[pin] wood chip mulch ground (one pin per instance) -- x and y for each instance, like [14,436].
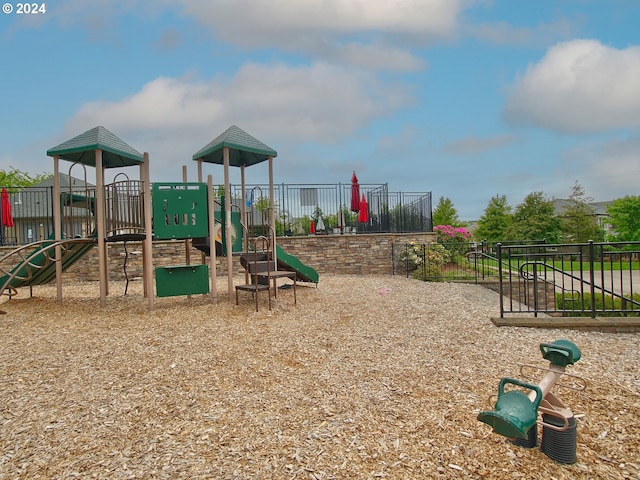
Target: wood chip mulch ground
[366,377]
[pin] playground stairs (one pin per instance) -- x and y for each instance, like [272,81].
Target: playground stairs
[258,268]
[261,275]
[257,263]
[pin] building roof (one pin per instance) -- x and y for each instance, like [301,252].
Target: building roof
[600,208]
[66,181]
[244,150]
[81,149]
[37,201]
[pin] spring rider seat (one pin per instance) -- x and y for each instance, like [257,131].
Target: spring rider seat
[515,414]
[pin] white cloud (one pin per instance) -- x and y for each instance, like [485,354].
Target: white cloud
[247,20]
[579,86]
[315,103]
[367,33]
[281,105]
[163,103]
[375,34]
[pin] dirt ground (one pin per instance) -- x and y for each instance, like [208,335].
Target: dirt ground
[366,377]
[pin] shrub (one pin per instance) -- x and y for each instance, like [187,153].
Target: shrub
[425,260]
[454,239]
[411,256]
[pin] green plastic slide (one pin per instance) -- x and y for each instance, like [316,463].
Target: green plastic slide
[305,273]
[38,268]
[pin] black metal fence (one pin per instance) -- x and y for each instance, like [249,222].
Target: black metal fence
[328,206]
[451,261]
[581,279]
[31,210]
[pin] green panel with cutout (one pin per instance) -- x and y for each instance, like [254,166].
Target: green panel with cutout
[179,210]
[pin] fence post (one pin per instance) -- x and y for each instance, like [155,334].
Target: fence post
[500,286]
[286,214]
[475,262]
[53,210]
[535,289]
[393,258]
[591,280]
[406,260]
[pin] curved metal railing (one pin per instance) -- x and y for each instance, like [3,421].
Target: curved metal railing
[26,261]
[534,276]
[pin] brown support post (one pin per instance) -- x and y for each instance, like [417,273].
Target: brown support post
[104,217]
[227,220]
[147,250]
[272,210]
[100,211]
[145,184]
[212,236]
[244,220]
[243,207]
[57,226]
[203,257]
[187,242]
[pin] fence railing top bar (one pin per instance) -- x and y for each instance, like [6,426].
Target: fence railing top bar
[539,245]
[564,245]
[413,193]
[307,185]
[546,254]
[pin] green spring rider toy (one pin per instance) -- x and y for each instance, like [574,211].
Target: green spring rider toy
[515,414]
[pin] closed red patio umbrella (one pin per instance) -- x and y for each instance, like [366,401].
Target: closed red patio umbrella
[7,219]
[355,193]
[363,215]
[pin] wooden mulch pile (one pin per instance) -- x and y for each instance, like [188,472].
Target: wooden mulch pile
[366,377]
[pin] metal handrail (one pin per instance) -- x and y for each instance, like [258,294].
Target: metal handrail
[531,277]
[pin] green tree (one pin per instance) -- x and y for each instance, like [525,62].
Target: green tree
[535,219]
[445,213]
[18,178]
[579,222]
[624,216]
[494,222]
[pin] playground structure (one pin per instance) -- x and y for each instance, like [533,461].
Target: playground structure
[137,210]
[515,414]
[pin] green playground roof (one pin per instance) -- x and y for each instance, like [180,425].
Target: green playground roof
[81,149]
[244,150]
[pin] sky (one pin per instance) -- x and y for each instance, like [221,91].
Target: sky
[467,99]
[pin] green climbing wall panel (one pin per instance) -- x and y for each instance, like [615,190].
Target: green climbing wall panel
[179,210]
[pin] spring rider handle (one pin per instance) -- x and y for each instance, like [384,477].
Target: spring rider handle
[561,352]
[515,413]
[514,381]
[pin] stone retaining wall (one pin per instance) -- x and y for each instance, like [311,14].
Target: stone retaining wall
[345,254]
